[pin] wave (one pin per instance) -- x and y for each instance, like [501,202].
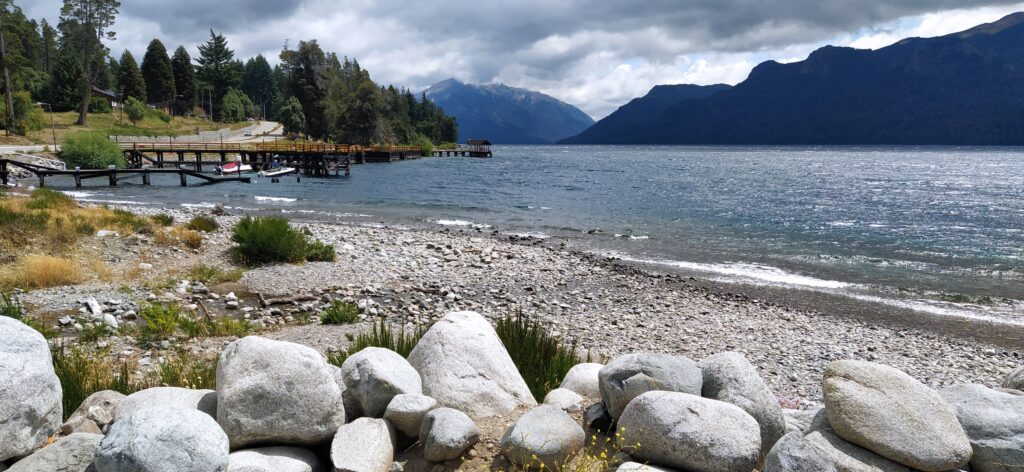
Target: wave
[746,272]
[460,223]
[199,205]
[530,234]
[261,198]
[633,237]
[114,202]
[78,194]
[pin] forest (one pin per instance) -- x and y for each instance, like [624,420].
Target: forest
[314,93]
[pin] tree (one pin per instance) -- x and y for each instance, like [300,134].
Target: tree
[62,89]
[291,117]
[235,107]
[135,110]
[157,73]
[86,23]
[184,81]
[49,37]
[258,81]
[217,68]
[309,77]
[130,79]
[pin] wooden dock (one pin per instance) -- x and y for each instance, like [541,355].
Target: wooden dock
[113,175]
[463,150]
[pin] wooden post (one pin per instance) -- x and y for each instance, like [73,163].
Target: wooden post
[112,175]
[42,180]
[78,177]
[145,176]
[181,173]
[3,171]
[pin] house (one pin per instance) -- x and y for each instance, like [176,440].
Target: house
[112,97]
[478,147]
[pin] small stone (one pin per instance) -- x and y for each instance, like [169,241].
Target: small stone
[447,433]
[145,266]
[406,412]
[565,399]
[273,459]
[364,445]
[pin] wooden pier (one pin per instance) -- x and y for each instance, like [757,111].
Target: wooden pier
[113,175]
[475,148]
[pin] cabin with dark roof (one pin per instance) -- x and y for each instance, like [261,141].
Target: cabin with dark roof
[108,95]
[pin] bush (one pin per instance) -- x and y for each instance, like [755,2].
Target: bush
[91,150]
[267,239]
[383,335]
[135,110]
[164,116]
[131,222]
[213,275]
[27,115]
[161,321]
[99,105]
[40,271]
[188,238]
[340,312]
[206,224]
[318,251]
[45,199]
[540,358]
[162,219]
[82,374]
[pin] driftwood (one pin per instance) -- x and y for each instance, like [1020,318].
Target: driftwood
[286,300]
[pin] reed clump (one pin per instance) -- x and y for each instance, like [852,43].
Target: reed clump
[541,359]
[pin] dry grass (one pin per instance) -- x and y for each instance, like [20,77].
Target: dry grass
[41,271]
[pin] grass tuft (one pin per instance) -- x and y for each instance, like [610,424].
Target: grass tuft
[383,335]
[40,271]
[269,239]
[213,275]
[206,224]
[162,219]
[542,360]
[340,312]
[46,199]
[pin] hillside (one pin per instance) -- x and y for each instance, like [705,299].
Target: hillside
[962,88]
[507,115]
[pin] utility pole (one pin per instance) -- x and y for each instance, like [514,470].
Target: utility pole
[7,77]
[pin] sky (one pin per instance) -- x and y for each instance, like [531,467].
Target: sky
[595,54]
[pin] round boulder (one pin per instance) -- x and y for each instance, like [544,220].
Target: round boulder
[565,399]
[465,366]
[177,397]
[583,379]
[544,435]
[160,439]
[276,392]
[364,445]
[994,423]
[1015,380]
[406,412]
[731,378]
[684,431]
[273,459]
[629,375]
[890,413]
[794,453]
[446,434]
[374,376]
[96,412]
[30,394]
[72,453]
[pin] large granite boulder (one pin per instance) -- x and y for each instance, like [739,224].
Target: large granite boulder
[546,436]
[794,453]
[373,376]
[406,412]
[1015,380]
[684,431]
[565,399]
[72,453]
[843,455]
[466,367]
[731,378]
[30,393]
[201,400]
[628,376]
[274,459]
[159,439]
[994,423]
[276,392]
[364,445]
[446,434]
[892,414]
[583,379]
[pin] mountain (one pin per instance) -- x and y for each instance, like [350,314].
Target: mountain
[507,115]
[640,114]
[959,89]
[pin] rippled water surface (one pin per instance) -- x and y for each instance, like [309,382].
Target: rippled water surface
[939,230]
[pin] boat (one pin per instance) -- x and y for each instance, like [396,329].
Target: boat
[277,170]
[233,168]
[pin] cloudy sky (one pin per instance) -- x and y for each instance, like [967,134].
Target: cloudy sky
[595,54]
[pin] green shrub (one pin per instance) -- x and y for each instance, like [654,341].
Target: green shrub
[93,332]
[340,312]
[164,116]
[82,374]
[161,321]
[162,219]
[27,115]
[206,224]
[132,222]
[213,275]
[135,110]
[318,251]
[382,335]
[267,239]
[90,150]
[540,358]
[99,105]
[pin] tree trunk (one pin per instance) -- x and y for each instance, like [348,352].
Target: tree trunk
[7,79]
[83,108]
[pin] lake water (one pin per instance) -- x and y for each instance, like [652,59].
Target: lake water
[936,230]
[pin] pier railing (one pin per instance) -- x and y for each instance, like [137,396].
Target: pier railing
[261,147]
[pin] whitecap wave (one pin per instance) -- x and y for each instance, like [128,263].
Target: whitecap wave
[199,205]
[747,272]
[461,223]
[78,194]
[531,234]
[261,198]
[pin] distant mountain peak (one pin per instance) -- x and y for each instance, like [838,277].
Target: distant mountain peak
[997,26]
[507,115]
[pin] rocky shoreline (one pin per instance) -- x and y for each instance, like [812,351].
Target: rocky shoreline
[605,307]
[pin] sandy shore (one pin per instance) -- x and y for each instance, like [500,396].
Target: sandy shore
[604,306]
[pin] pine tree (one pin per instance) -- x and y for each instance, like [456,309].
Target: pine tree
[62,89]
[258,81]
[85,24]
[157,73]
[130,79]
[49,37]
[184,81]
[217,68]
